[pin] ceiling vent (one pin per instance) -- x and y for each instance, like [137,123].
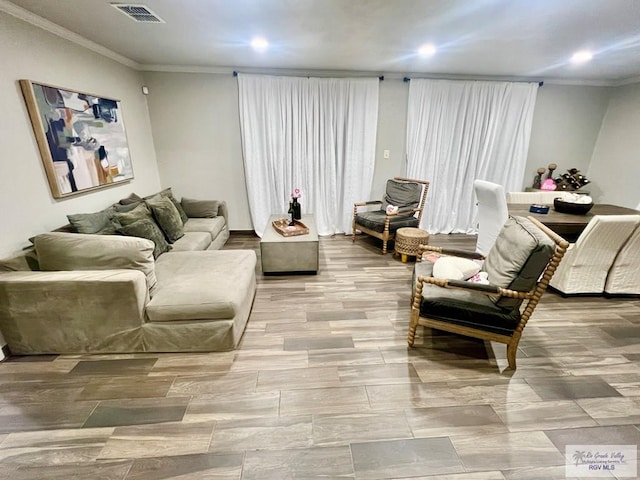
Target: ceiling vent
[138,13]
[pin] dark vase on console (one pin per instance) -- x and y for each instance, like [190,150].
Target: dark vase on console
[297,209]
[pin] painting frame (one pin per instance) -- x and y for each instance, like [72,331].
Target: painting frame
[81,137]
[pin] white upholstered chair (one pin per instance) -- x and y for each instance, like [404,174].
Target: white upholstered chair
[492,213]
[529,198]
[587,262]
[624,275]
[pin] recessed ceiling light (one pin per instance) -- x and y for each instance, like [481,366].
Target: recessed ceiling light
[581,56]
[259,44]
[427,49]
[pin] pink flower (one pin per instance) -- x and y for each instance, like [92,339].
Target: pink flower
[297,193]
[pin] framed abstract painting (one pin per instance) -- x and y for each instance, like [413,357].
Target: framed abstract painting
[81,138]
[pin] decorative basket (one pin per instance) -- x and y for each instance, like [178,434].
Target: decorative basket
[570,207]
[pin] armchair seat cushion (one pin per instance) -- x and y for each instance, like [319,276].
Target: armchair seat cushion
[375,221]
[467,309]
[463,308]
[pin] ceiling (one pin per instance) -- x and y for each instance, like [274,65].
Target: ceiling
[523,39]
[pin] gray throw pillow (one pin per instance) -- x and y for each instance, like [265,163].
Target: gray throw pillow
[91,222]
[140,212]
[124,208]
[200,208]
[131,199]
[146,228]
[167,217]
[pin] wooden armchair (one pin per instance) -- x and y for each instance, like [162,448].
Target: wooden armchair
[406,194]
[519,267]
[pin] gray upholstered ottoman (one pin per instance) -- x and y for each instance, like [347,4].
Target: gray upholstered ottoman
[297,254]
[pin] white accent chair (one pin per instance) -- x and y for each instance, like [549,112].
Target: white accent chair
[624,275]
[492,213]
[530,198]
[587,262]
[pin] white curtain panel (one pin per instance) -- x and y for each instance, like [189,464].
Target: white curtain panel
[316,134]
[460,131]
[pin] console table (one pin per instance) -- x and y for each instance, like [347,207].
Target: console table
[296,254]
[568,224]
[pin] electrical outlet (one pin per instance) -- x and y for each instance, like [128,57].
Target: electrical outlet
[386,154]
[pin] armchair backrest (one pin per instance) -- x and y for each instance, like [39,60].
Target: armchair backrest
[519,256]
[406,194]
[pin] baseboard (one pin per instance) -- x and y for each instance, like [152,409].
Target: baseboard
[5,352]
[244,232]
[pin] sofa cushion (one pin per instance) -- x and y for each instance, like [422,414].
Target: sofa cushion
[211,225]
[77,251]
[146,228]
[167,217]
[518,257]
[192,241]
[200,208]
[140,212]
[209,285]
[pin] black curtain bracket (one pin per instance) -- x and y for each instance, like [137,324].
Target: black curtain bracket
[235,74]
[406,79]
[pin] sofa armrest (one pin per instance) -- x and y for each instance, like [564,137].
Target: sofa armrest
[222,210]
[72,311]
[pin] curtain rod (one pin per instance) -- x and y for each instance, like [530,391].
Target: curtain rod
[380,77]
[408,79]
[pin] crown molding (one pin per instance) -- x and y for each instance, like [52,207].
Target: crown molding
[29,17]
[627,81]
[361,73]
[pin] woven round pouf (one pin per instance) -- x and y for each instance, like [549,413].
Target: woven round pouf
[408,239]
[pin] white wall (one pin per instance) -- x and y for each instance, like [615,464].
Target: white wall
[566,123]
[196,127]
[27,207]
[615,165]
[392,135]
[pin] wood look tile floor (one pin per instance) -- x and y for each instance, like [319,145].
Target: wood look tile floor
[324,386]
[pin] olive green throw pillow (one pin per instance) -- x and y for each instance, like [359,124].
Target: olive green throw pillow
[141,212]
[168,193]
[147,228]
[167,217]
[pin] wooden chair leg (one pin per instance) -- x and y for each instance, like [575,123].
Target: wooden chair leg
[384,247]
[512,349]
[413,325]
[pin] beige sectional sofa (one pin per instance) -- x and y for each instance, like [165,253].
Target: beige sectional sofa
[93,293]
